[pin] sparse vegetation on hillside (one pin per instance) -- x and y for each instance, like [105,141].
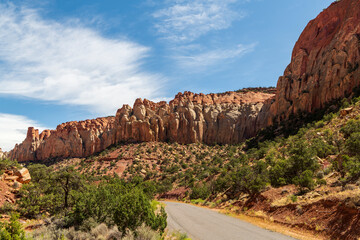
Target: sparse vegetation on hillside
[7,164]
[270,90]
[205,171]
[75,201]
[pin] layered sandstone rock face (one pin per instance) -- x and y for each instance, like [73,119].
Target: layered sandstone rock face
[71,139]
[215,118]
[325,62]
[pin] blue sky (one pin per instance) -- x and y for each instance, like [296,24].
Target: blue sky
[64,60]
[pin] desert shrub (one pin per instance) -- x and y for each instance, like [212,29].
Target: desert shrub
[352,126]
[7,208]
[351,166]
[321,148]
[353,143]
[146,233]
[172,169]
[319,124]
[305,180]
[249,179]
[328,117]
[7,164]
[222,183]
[293,198]
[321,182]
[217,160]
[51,191]
[277,173]
[164,186]
[116,203]
[113,202]
[302,158]
[133,209]
[200,191]
[12,230]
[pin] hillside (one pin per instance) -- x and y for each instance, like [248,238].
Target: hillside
[308,180]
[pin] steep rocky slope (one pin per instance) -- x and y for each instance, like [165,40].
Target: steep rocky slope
[324,64]
[222,118]
[324,67]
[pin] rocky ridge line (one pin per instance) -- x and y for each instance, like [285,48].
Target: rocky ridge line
[222,118]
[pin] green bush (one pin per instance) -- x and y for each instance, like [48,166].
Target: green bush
[277,173]
[321,148]
[200,191]
[305,180]
[293,198]
[351,166]
[50,191]
[116,202]
[12,230]
[301,161]
[250,180]
[7,164]
[353,143]
[351,126]
[133,209]
[321,182]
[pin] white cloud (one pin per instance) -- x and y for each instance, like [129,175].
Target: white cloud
[13,129]
[187,20]
[70,64]
[210,58]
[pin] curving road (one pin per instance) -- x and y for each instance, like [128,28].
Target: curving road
[204,224]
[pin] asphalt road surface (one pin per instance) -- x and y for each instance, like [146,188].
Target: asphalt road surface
[204,224]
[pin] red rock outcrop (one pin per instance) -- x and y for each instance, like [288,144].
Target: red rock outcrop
[11,182]
[325,62]
[71,139]
[222,118]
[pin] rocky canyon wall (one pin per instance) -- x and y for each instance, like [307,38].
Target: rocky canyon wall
[324,64]
[324,67]
[214,118]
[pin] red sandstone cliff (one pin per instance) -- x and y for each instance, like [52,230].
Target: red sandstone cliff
[223,118]
[324,66]
[325,62]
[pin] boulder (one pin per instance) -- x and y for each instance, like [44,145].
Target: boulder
[345,111]
[23,175]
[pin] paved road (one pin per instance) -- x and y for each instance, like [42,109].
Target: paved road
[204,224]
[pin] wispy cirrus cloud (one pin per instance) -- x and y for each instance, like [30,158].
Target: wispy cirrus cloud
[68,63]
[13,129]
[210,58]
[185,24]
[187,20]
